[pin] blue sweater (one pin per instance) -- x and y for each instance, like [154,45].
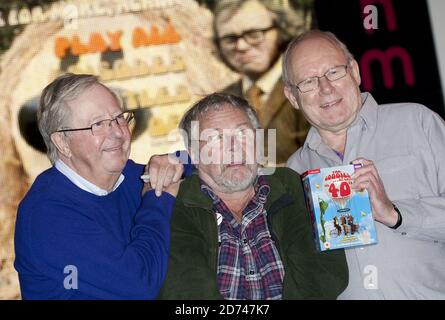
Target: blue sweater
[110,247]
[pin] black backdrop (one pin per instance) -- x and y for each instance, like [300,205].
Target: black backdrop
[403,41]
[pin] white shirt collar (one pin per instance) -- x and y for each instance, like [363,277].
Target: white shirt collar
[83,183]
[267,81]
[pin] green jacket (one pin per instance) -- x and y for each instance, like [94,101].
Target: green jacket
[192,269]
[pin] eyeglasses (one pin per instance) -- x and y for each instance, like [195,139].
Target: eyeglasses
[104,126]
[252,37]
[313,83]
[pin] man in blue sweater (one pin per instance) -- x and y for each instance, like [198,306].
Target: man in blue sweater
[87,229]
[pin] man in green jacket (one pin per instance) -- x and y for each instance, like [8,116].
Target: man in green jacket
[237,233]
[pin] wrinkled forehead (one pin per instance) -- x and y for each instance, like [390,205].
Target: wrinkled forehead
[319,40]
[224,117]
[93,103]
[314,53]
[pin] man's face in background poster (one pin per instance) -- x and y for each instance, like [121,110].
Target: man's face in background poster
[248,39]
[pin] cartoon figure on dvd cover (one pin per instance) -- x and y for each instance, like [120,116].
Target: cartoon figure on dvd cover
[341,217]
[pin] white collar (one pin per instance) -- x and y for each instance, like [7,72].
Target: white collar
[83,183]
[267,81]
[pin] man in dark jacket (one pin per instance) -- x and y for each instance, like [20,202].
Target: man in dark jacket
[237,233]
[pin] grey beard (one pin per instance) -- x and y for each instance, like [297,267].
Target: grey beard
[235,186]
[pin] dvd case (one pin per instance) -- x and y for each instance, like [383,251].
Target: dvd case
[340,217]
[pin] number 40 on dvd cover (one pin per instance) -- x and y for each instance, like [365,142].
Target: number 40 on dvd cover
[341,217]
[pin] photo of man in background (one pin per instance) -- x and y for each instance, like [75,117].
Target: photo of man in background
[250,36]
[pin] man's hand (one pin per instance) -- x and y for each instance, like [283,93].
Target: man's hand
[165,171]
[173,188]
[146,188]
[367,177]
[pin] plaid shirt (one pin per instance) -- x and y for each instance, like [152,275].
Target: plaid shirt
[249,265]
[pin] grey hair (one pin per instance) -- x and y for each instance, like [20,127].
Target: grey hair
[311,34]
[215,102]
[53,113]
[290,20]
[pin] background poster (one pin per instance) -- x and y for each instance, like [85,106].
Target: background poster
[160,55]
